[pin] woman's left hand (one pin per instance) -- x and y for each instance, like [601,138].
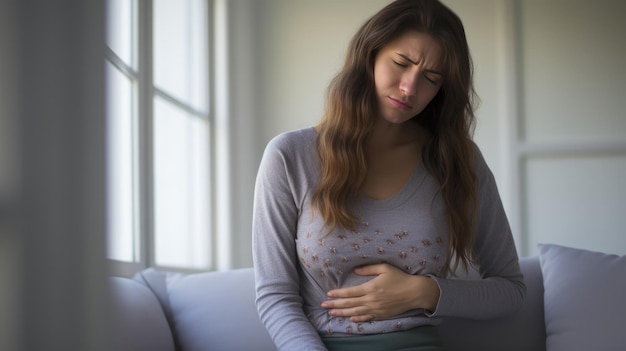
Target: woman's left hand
[390,293]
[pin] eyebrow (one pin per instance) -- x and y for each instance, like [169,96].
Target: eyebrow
[417,62]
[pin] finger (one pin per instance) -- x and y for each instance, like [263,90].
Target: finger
[362,319]
[355,314]
[373,269]
[359,312]
[342,303]
[353,291]
[343,312]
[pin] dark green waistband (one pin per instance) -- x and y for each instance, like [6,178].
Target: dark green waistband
[424,338]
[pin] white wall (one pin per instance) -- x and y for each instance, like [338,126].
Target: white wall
[572,127]
[551,120]
[303,46]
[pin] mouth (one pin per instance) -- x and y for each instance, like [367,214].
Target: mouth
[400,104]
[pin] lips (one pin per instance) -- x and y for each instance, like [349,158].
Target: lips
[400,104]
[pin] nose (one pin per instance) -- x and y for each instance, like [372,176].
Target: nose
[408,84]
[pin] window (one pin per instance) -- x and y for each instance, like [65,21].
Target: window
[157,69]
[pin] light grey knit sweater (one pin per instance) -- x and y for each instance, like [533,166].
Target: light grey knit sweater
[297,261]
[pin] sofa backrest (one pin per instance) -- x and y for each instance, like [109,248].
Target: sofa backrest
[216,311]
[212,310]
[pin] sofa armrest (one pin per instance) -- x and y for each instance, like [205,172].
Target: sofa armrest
[138,322]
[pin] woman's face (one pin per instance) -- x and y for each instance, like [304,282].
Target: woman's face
[407,75]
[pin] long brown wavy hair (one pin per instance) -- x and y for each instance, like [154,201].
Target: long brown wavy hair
[352,107]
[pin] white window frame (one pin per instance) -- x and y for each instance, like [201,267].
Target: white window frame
[143,150]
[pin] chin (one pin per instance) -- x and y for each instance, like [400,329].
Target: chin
[399,119]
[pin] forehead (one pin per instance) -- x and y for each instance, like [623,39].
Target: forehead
[418,46]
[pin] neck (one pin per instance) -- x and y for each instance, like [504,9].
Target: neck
[389,135]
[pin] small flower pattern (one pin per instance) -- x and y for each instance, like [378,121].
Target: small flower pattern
[332,259]
[401,249]
[407,231]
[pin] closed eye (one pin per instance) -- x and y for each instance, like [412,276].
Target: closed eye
[431,80]
[433,76]
[403,65]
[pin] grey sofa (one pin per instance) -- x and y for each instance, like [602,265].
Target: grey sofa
[164,311]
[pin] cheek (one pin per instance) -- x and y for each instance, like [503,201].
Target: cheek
[430,92]
[382,78]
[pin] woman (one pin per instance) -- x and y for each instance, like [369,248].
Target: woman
[361,222]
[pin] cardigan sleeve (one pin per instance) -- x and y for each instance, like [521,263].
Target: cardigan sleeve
[275,215]
[500,289]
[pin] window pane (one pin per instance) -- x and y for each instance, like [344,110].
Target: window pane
[119,165]
[180,50]
[120,29]
[181,188]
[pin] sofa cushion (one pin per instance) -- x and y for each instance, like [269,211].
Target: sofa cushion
[138,323]
[584,299]
[521,331]
[212,310]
